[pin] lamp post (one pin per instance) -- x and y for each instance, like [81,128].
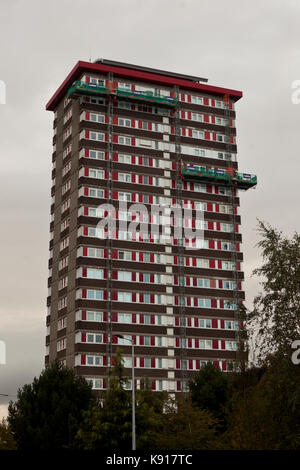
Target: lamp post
[133,392]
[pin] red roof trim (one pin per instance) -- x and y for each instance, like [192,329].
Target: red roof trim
[81,67]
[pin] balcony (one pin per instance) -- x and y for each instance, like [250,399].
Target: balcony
[91,89]
[147,96]
[228,177]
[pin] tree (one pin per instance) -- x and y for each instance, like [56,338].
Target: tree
[107,425]
[185,427]
[7,441]
[276,310]
[47,412]
[209,390]
[110,426]
[265,412]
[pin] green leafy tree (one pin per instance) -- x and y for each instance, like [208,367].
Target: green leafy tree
[109,425]
[209,390]
[185,427]
[276,312]
[47,412]
[265,413]
[7,441]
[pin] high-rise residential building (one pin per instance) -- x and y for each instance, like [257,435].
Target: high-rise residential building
[159,149]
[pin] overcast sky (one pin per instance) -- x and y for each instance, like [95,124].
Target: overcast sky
[249,46]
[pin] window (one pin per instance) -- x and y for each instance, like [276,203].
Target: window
[97,155]
[205,344]
[197,134]
[124,296]
[94,360]
[97,384]
[98,193]
[66,187]
[196,100]
[204,303]
[159,385]
[124,196]
[97,81]
[201,188]
[94,316]
[226,227]
[99,136]
[64,243]
[63,283]
[127,362]
[124,86]
[224,191]
[65,224]
[199,152]
[124,318]
[124,122]
[61,344]
[67,133]
[125,341]
[203,282]
[147,362]
[224,209]
[227,246]
[94,294]
[63,262]
[95,252]
[97,100]
[124,105]
[93,273]
[124,177]
[99,174]
[97,117]
[227,304]
[122,158]
[197,117]
[202,323]
[94,338]
[67,151]
[124,275]
[62,323]
[66,168]
[92,211]
[124,140]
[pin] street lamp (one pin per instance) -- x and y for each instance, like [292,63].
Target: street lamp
[133,392]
